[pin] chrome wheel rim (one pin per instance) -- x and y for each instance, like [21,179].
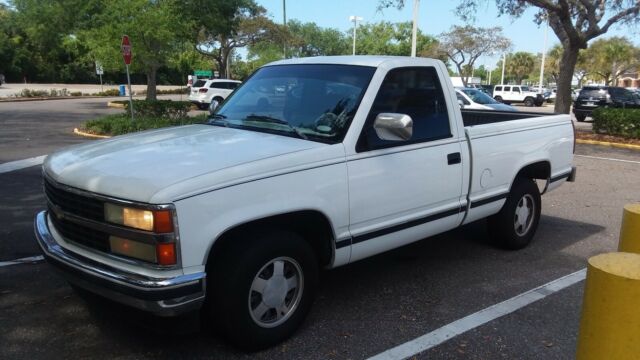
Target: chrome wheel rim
[523,218]
[275,292]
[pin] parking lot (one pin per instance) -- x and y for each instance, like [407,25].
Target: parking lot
[362,309]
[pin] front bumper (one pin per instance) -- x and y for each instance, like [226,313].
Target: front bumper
[162,296]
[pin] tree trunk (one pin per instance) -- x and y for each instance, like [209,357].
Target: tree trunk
[567,67]
[151,84]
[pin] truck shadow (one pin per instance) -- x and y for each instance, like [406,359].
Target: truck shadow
[412,289]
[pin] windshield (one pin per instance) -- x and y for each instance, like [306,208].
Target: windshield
[479,97]
[311,101]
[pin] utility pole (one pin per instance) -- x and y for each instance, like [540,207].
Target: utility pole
[489,80]
[414,31]
[284,21]
[544,54]
[504,61]
[355,20]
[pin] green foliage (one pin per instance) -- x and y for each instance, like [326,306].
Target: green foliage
[309,39]
[122,124]
[622,122]
[156,30]
[386,38]
[162,109]
[108,92]
[520,65]
[609,58]
[28,93]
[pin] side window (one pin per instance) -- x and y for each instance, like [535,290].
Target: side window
[498,88]
[516,89]
[507,88]
[218,85]
[462,98]
[414,91]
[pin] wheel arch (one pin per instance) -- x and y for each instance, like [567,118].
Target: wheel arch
[313,225]
[535,170]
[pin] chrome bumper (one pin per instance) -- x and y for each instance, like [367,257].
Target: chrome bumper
[162,296]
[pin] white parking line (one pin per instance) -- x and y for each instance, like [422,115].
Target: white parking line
[479,318]
[21,164]
[27,260]
[610,159]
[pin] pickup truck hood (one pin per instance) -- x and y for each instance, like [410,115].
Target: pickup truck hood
[136,166]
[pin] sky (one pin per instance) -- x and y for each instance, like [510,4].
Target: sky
[435,17]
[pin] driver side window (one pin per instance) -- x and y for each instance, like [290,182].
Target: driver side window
[414,91]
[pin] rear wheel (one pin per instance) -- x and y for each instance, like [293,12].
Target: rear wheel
[515,225]
[498,98]
[262,288]
[529,102]
[581,117]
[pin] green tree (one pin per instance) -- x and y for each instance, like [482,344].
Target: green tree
[386,38]
[520,65]
[221,26]
[575,22]
[309,39]
[463,45]
[156,30]
[612,57]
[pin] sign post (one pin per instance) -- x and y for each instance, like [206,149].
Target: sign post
[126,55]
[99,71]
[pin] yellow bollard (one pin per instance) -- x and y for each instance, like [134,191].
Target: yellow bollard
[610,323]
[630,229]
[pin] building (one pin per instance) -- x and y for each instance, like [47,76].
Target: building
[630,80]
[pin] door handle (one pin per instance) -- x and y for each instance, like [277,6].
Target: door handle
[454,158]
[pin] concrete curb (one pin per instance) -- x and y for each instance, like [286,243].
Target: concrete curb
[114,104]
[88,135]
[610,144]
[52,98]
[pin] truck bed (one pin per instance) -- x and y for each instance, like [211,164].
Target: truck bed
[482,117]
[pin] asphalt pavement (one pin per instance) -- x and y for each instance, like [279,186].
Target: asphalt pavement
[362,309]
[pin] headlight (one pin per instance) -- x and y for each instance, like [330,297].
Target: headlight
[158,221]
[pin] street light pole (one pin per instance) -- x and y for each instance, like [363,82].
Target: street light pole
[544,54]
[284,21]
[355,20]
[504,61]
[414,31]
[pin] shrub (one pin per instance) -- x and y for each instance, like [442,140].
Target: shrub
[121,124]
[75,93]
[622,122]
[109,92]
[166,109]
[177,91]
[33,93]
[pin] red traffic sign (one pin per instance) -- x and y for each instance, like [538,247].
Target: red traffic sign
[126,49]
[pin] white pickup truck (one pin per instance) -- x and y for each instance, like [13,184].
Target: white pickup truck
[312,163]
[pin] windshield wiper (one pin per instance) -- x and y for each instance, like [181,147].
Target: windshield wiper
[273,120]
[221,118]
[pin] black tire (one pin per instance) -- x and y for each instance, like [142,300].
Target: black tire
[218,99]
[581,117]
[230,295]
[503,226]
[529,102]
[203,106]
[498,98]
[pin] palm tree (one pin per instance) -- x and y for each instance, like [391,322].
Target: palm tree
[520,65]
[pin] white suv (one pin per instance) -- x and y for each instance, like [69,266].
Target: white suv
[204,91]
[517,94]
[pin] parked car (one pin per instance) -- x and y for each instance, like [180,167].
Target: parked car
[509,94]
[476,99]
[192,79]
[205,91]
[359,155]
[575,93]
[593,97]
[488,89]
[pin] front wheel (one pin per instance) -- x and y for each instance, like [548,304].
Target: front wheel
[528,102]
[581,117]
[498,98]
[260,291]
[515,225]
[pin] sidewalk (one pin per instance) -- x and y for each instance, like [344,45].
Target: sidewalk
[7,90]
